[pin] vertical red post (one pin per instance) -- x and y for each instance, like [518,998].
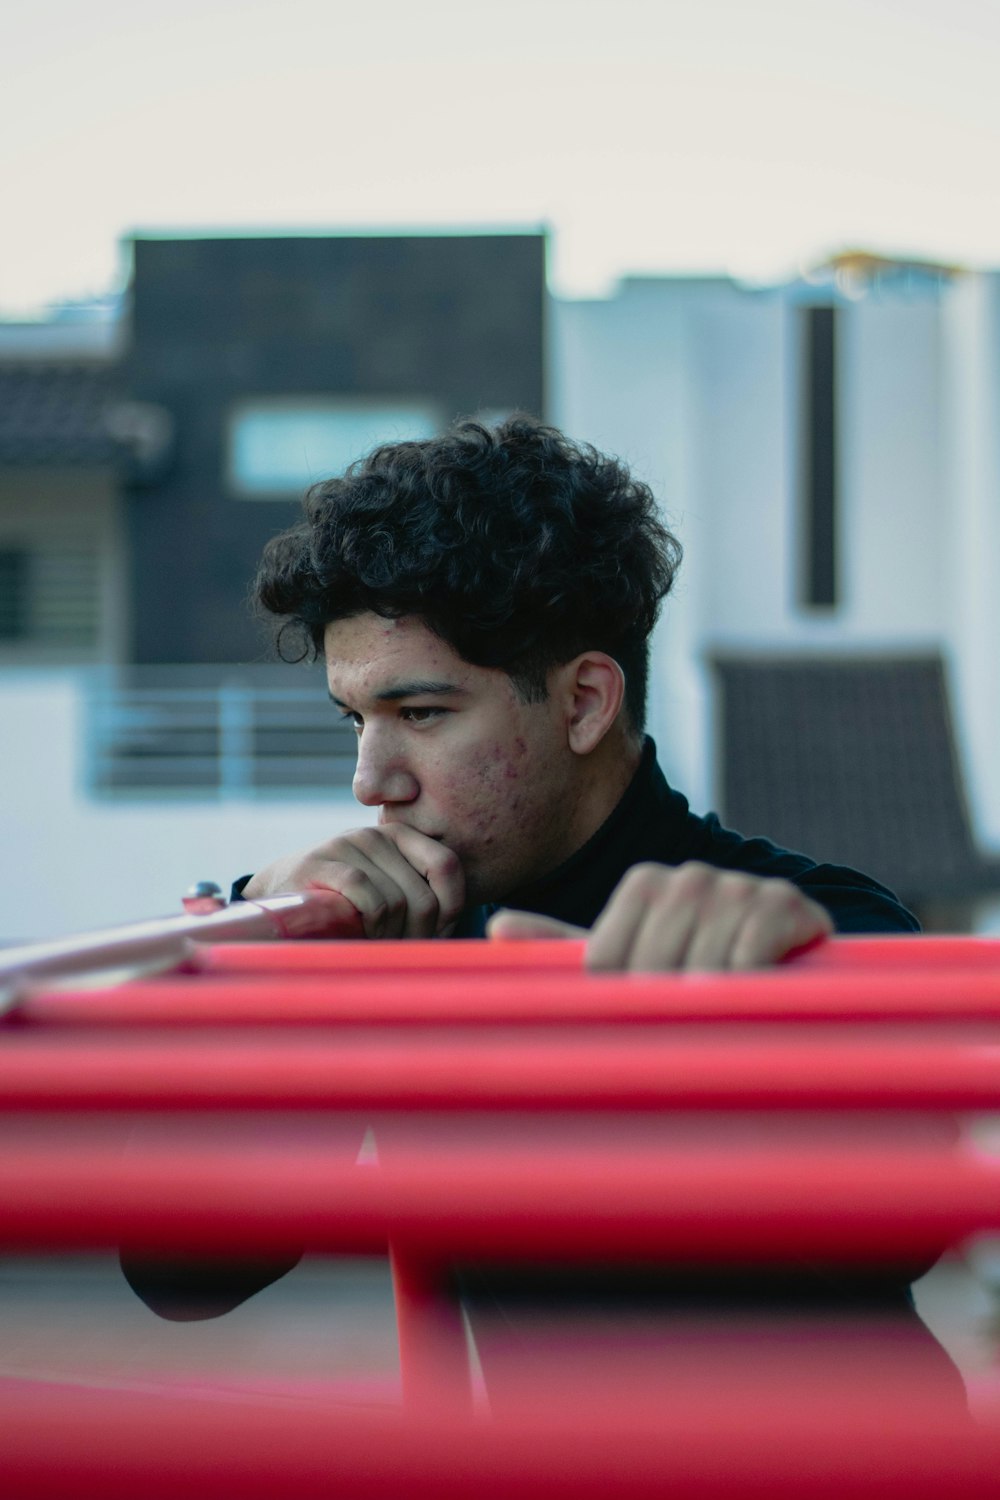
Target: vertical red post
[433,1349]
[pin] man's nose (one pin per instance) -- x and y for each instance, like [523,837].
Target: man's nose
[381,775]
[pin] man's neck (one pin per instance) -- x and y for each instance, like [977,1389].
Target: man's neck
[607,772]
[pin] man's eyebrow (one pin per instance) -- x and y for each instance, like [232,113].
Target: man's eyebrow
[420,687]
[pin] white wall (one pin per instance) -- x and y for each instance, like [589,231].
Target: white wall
[621,378]
[972,484]
[897,509]
[697,384]
[67,863]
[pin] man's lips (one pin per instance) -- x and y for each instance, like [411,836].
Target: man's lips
[438,838]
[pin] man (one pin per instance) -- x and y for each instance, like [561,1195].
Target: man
[484,602]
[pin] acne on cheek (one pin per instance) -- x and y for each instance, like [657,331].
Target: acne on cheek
[493,802]
[503,761]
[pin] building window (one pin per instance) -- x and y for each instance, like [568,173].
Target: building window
[819,517]
[280,446]
[50,596]
[13,593]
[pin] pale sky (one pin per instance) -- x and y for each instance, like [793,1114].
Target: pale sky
[746,136]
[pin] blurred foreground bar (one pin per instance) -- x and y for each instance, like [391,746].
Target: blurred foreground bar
[449,1193]
[116,1445]
[519,1112]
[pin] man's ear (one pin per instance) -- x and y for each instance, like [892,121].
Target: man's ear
[595,691]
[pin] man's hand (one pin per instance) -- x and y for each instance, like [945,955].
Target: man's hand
[691,916]
[402,883]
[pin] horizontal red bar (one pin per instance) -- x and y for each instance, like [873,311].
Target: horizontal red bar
[784,994]
[625,1196]
[905,951]
[118,1444]
[470,955]
[922,951]
[579,1068]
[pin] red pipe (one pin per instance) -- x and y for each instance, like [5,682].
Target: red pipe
[785,994]
[617,1197]
[468,955]
[471,955]
[582,1068]
[433,1351]
[116,1445]
[925,951]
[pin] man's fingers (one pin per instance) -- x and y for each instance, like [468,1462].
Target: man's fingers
[695,917]
[723,918]
[438,866]
[781,920]
[650,920]
[402,883]
[524,925]
[412,906]
[379,900]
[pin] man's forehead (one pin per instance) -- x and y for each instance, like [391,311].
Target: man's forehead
[367,635]
[386,657]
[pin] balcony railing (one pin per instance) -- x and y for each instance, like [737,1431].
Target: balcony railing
[214,732]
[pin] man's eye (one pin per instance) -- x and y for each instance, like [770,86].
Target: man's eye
[421,715]
[350,717]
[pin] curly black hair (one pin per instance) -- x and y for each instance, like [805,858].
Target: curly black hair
[517,546]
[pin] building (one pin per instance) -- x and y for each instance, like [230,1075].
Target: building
[144,462]
[824,449]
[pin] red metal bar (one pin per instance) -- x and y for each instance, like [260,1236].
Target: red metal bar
[904,951]
[786,994]
[735,1445]
[586,1068]
[624,1196]
[469,955]
[923,951]
[433,1349]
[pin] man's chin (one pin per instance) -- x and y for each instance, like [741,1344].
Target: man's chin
[478,890]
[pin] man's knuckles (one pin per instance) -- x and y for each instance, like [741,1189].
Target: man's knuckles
[434,859]
[423,908]
[368,841]
[695,915]
[690,885]
[374,900]
[652,885]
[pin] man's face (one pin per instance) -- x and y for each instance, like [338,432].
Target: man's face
[449,749]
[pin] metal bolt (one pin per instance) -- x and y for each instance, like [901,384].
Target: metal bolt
[203,898]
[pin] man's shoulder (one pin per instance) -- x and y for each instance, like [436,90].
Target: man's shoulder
[855,901]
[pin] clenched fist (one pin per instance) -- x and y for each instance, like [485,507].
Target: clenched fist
[402,883]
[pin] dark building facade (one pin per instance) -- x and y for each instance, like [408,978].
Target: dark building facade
[142,470]
[269,363]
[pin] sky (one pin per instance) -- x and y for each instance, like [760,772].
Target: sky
[673,136]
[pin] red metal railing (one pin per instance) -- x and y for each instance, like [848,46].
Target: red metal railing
[782,1442]
[393,998]
[524,1111]
[585,1068]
